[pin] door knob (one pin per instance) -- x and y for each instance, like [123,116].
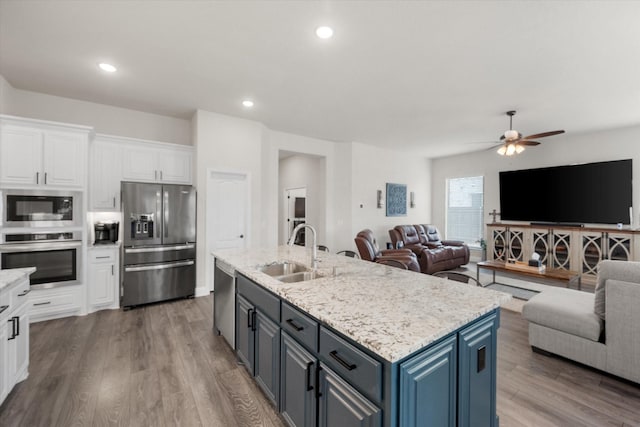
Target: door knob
[242,236]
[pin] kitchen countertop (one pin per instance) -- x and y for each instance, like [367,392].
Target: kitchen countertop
[13,275]
[390,311]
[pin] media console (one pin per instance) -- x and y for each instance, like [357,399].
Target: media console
[565,247]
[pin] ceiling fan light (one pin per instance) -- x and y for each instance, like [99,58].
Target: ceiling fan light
[519,148]
[502,150]
[511,149]
[511,135]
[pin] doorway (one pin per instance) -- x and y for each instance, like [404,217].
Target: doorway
[227,212]
[295,207]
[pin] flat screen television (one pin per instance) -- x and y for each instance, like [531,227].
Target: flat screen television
[591,193]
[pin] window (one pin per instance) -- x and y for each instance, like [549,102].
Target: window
[465,202]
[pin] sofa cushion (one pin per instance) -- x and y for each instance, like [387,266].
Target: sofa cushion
[608,269]
[565,310]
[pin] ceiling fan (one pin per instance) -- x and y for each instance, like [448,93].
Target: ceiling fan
[514,142]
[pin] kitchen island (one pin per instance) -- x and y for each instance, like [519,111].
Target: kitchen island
[364,343]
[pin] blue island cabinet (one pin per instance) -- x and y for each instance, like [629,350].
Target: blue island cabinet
[452,383]
[318,377]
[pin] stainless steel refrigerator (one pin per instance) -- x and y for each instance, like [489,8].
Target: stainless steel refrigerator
[159,251]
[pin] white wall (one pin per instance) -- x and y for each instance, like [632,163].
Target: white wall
[225,143]
[565,149]
[304,171]
[371,169]
[103,118]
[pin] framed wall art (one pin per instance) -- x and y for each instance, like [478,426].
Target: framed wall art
[396,199]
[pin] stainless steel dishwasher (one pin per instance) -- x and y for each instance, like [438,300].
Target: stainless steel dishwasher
[224,301]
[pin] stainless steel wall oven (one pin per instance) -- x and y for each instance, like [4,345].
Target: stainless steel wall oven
[56,256]
[41,208]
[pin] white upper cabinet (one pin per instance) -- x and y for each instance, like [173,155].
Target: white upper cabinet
[165,163]
[115,159]
[105,174]
[35,153]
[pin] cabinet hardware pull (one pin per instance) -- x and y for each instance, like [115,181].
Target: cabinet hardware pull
[348,366]
[298,328]
[18,322]
[37,177]
[253,320]
[103,257]
[42,303]
[318,393]
[3,308]
[13,329]
[112,273]
[26,291]
[249,317]
[114,201]
[45,178]
[160,175]
[309,366]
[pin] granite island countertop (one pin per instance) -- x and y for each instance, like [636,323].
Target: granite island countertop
[13,275]
[390,311]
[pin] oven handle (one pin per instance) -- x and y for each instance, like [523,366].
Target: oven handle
[49,246]
[159,249]
[158,266]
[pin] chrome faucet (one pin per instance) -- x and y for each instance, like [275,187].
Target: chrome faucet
[314,249]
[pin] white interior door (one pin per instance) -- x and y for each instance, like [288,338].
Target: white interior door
[227,213]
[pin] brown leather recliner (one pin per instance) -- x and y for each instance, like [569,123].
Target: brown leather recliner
[369,251]
[434,254]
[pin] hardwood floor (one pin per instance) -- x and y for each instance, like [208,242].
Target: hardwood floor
[161,365]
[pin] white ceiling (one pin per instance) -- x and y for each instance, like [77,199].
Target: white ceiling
[433,77]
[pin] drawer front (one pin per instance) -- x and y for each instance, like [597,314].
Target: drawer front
[267,303]
[54,301]
[19,295]
[300,326]
[102,255]
[362,371]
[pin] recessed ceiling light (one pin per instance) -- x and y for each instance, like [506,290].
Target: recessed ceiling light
[324,32]
[107,67]
[247,103]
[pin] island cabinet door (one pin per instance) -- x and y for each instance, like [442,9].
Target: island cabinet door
[339,404]
[477,373]
[267,356]
[245,319]
[297,377]
[428,387]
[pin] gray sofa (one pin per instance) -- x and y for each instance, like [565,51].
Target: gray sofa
[601,330]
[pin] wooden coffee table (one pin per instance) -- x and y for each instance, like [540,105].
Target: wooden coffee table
[565,276]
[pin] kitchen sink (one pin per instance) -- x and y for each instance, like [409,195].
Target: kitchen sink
[283,268]
[298,277]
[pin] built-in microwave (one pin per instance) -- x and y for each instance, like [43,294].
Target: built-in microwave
[41,208]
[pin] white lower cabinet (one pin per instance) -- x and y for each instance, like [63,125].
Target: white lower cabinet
[14,336]
[103,278]
[47,304]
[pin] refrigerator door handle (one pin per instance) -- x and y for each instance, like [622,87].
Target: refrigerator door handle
[159,266]
[166,213]
[159,249]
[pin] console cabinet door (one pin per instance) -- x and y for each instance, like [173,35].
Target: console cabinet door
[267,356]
[175,166]
[244,332]
[477,374]
[297,376]
[341,405]
[428,386]
[22,346]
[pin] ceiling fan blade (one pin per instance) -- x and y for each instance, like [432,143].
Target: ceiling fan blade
[543,134]
[494,147]
[528,142]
